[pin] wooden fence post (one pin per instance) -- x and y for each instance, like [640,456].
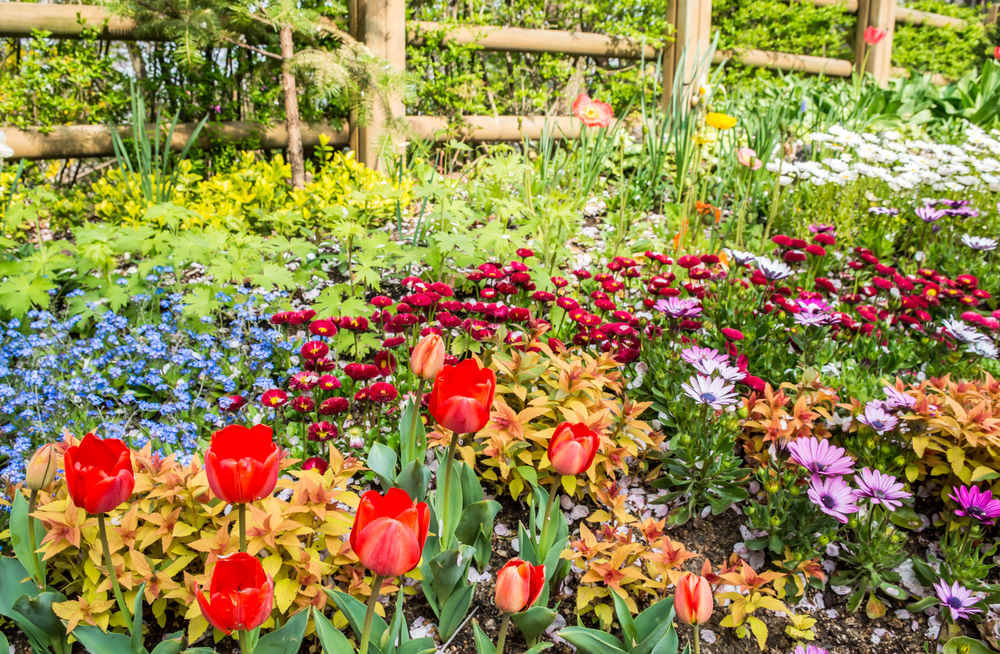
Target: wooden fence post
[380,25]
[880,14]
[692,21]
[991,16]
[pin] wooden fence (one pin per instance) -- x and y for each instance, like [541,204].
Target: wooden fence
[382,26]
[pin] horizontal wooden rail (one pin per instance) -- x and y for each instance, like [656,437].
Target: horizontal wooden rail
[515,39]
[18,19]
[87,141]
[789,62]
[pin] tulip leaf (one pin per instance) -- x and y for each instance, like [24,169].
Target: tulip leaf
[533,622]
[414,479]
[287,639]
[97,641]
[417,646]
[540,647]
[529,550]
[449,571]
[4,645]
[331,638]
[659,613]
[625,620]
[136,628]
[382,461]
[591,641]
[199,650]
[19,525]
[413,447]
[472,490]
[38,611]
[13,585]
[454,610]
[355,611]
[483,643]
[477,519]
[172,644]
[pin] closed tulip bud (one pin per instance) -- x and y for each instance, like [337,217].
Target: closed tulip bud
[572,448]
[242,463]
[42,468]
[427,357]
[389,532]
[462,397]
[519,584]
[693,600]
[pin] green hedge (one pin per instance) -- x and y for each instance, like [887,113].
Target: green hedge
[944,50]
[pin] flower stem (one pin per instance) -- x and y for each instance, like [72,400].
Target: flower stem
[411,446]
[504,624]
[367,630]
[448,465]
[112,574]
[39,575]
[243,526]
[546,520]
[244,646]
[697,640]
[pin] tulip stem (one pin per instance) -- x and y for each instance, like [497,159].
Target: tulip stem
[112,573]
[411,445]
[504,624]
[243,639]
[367,630]
[546,521]
[448,465]
[243,526]
[39,575]
[697,640]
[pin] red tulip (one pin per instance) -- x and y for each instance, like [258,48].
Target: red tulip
[462,397]
[242,464]
[427,357]
[241,594]
[389,532]
[572,448]
[518,585]
[996,52]
[693,600]
[873,35]
[99,473]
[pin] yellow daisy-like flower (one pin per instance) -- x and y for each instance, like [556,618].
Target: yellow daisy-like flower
[720,121]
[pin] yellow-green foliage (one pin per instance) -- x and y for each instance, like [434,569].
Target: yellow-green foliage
[256,194]
[173,529]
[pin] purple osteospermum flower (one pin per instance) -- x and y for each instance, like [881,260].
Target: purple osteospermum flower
[820,457]
[881,488]
[896,399]
[884,211]
[814,312]
[833,497]
[875,416]
[959,600]
[696,354]
[773,270]
[722,368]
[713,391]
[821,228]
[979,242]
[678,308]
[810,649]
[929,215]
[976,503]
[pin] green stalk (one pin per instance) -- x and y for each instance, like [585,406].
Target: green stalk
[111,572]
[243,526]
[39,575]
[448,465]
[542,550]
[244,646]
[697,641]
[504,625]
[367,630]
[411,446]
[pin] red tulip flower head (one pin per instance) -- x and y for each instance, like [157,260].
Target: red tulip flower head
[462,397]
[389,532]
[242,463]
[518,585]
[593,113]
[873,35]
[693,601]
[572,448]
[427,357]
[996,53]
[99,473]
[240,596]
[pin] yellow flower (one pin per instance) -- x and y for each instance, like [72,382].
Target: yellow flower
[701,140]
[720,121]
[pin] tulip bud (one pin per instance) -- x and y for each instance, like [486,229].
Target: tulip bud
[519,585]
[693,600]
[572,448]
[42,468]
[427,357]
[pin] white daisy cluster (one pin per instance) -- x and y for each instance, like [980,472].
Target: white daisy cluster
[903,164]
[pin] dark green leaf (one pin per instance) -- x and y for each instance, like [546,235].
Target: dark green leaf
[331,638]
[454,610]
[591,641]
[288,638]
